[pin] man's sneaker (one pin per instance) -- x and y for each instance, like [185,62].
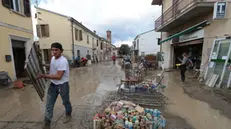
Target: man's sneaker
[47,125]
[67,118]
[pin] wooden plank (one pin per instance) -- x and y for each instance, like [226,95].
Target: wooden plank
[212,80]
[208,80]
[215,80]
[33,67]
[229,82]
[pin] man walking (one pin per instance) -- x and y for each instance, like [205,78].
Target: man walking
[184,62]
[114,58]
[59,75]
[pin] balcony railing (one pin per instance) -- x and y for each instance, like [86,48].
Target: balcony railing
[176,9]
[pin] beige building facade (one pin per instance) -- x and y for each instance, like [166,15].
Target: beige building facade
[192,26]
[16,34]
[77,40]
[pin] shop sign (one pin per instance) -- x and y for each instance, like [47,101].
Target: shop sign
[219,10]
[192,36]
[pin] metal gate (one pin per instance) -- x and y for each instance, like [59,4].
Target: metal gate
[220,62]
[33,66]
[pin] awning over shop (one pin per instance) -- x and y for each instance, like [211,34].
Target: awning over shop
[193,28]
[198,41]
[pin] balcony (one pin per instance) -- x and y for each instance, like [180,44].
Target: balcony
[182,11]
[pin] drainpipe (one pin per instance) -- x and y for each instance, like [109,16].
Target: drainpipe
[73,53]
[161,23]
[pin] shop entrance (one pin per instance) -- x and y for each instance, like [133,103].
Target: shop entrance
[194,51]
[19,55]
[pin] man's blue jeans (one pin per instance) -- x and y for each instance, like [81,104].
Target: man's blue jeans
[53,92]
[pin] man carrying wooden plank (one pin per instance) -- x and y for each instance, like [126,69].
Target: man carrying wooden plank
[59,75]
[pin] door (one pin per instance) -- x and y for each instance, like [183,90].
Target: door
[220,62]
[19,55]
[78,53]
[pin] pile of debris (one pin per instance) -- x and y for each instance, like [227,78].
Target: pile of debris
[146,86]
[125,114]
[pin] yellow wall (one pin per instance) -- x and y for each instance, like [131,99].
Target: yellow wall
[6,49]
[84,41]
[10,17]
[59,30]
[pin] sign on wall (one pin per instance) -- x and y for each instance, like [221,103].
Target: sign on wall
[192,36]
[219,11]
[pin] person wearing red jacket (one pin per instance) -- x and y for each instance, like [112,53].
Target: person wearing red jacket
[114,58]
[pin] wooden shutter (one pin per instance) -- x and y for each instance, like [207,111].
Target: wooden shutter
[80,35]
[87,38]
[47,31]
[38,28]
[76,34]
[7,3]
[27,11]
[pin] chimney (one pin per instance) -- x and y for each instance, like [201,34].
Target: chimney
[109,36]
[94,31]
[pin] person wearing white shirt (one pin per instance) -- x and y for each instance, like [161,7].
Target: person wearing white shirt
[59,75]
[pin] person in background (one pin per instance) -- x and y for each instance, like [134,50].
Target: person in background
[59,75]
[114,58]
[183,67]
[127,62]
[77,61]
[84,61]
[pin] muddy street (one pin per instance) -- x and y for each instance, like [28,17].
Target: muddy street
[22,108]
[197,113]
[91,88]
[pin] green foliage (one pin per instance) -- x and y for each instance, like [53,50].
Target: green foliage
[124,49]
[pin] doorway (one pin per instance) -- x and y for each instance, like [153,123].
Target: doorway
[194,52]
[19,54]
[78,53]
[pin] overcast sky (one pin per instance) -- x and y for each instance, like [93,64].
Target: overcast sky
[125,18]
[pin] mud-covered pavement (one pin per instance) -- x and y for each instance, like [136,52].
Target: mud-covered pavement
[22,108]
[92,88]
[197,106]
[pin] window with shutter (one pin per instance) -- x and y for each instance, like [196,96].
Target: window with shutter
[44,29]
[76,34]
[7,4]
[47,31]
[27,10]
[80,35]
[88,39]
[38,30]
